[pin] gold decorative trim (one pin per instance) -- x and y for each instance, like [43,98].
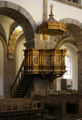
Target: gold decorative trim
[48,61]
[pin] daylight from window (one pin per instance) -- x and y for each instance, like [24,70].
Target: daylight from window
[68,74]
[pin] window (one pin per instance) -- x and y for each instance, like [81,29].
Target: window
[75,1]
[68,74]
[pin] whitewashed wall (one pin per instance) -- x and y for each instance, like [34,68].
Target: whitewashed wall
[34,7]
[1,69]
[61,11]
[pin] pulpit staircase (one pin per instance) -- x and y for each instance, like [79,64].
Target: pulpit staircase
[21,84]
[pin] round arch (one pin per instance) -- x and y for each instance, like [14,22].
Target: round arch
[72,21]
[72,49]
[16,12]
[70,42]
[74,27]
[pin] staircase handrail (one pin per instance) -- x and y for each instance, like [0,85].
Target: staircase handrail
[15,81]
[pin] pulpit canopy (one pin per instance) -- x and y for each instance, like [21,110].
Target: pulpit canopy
[51,26]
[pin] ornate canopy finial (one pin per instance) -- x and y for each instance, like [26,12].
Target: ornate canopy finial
[51,9]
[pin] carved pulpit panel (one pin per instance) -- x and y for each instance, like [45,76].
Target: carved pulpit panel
[58,60]
[45,61]
[48,60]
[35,57]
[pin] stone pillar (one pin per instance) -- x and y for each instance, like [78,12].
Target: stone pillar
[80,66]
[45,12]
[80,71]
[41,85]
[6,75]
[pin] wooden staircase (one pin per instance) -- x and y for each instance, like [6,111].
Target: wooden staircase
[21,84]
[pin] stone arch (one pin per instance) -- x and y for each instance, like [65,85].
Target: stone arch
[68,41]
[71,21]
[74,27]
[16,12]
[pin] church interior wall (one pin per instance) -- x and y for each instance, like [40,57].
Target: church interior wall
[37,15]
[10,61]
[34,7]
[66,12]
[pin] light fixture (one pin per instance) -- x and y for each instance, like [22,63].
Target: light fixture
[19,28]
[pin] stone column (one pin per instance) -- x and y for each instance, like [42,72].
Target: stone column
[6,75]
[45,12]
[80,71]
[80,67]
[9,71]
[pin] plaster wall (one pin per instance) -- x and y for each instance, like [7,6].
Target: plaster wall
[60,10]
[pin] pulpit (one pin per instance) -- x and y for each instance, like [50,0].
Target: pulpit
[45,62]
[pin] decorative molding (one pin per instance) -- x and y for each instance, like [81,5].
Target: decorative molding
[70,3]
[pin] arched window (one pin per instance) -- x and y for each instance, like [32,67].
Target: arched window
[71,63]
[68,64]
